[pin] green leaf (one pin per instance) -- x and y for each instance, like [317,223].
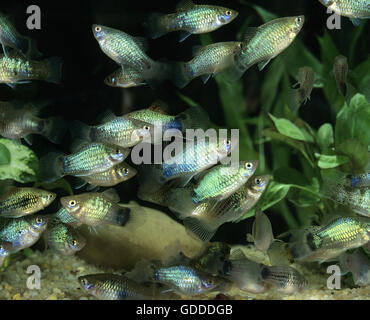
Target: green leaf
[361,78]
[28,252]
[289,129]
[286,175]
[190,102]
[264,14]
[23,165]
[59,184]
[4,155]
[353,122]
[330,161]
[325,136]
[356,152]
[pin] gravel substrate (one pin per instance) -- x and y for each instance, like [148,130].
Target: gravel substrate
[59,281]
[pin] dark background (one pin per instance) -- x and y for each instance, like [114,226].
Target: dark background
[66,32]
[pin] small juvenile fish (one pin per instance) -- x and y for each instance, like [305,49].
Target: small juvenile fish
[107,286]
[63,216]
[5,249]
[64,239]
[113,176]
[222,181]
[284,278]
[119,131]
[95,209]
[23,232]
[21,201]
[358,199]
[245,273]
[18,120]
[129,51]
[16,69]
[306,78]
[190,19]
[209,60]
[353,9]
[267,41]
[340,70]
[262,231]
[128,79]
[91,158]
[186,280]
[205,218]
[359,265]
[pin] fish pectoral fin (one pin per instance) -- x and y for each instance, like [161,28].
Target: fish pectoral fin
[28,139]
[205,78]
[263,64]
[184,5]
[184,35]
[232,73]
[356,22]
[11,85]
[112,195]
[123,68]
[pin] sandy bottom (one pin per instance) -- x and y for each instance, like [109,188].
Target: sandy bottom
[59,282]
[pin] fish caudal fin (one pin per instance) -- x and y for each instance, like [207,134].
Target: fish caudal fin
[203,231]
[150,178]
[54,129]
[51,166]
[80,130]
[55,68]
[158,72]
[193,118]
[179,202]
[119,216]
[154,26]
[181,74]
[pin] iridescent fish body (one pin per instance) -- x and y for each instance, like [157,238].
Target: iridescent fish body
[353,9]
[63,216]
[22,201]
[23,232]
[114,287]
[191,19]
[127,79]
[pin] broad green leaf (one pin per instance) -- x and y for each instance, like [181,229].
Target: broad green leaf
[325,136]
[356,152]
[23,165]
[330,161]
[353,121]
[4,155]
[59,184]
[361,78]
[289,129]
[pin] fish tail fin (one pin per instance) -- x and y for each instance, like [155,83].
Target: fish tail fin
[200,228]
[181,74]
[55,69]
[293,100]
[80,130]
[154,25]
[150,178]
[51,166]
[54,129]
[119,216]
[193,118]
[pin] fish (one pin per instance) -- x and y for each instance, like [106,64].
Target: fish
[222,181]
[204,219]
[280,253]
[245,274]
[194,158]
[17,69]
[5,248]
[63,216]
[212,260]
[64,239]
[128,79]
[189,19]
[265,42]
[105,286]
[19,120]
[359,265]
[358,199]
[321,243]
[113,176]
[306,79]
[284,278]
[95,209]
[21,201]
[23,232]
[353,9]
[207,62]
[127,50]
[340,71]
[119,131]
[360,180]
[91,158]
[185,280]
[262,234]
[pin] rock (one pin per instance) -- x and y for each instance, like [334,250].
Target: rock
[148,235]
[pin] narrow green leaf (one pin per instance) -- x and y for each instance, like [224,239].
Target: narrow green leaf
[325,136]
[4,155]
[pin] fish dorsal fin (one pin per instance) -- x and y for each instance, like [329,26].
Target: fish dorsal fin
[184,5]
[112,195]
[106,116]
[142,43]
[196,50]
[249,34]
[263,64]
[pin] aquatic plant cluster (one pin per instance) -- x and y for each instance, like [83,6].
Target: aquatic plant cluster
[196,184]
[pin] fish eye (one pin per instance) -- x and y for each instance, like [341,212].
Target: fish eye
[228,13]
[228,142]
[39,220]
[97,29]
[125,172]
[74,242]
[298,20]
[72,203]
[84,282]
[249,165]
[117,151]
[257,181]
[146,128]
